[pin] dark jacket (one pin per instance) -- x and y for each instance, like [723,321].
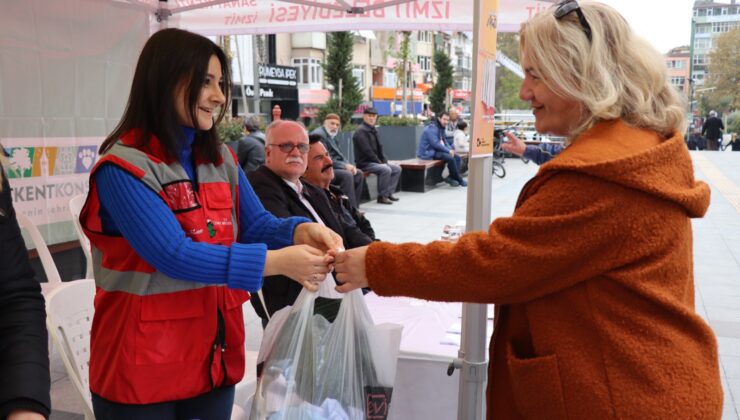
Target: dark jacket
[337,157]
[24,355]
[250,151]
[542,153]
[432,140]
[712,128]
[282,201]
[344,211]
[368,148]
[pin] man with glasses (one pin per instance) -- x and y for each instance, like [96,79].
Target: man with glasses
[279,187]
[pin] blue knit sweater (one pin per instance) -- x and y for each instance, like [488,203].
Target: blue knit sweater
[131,209]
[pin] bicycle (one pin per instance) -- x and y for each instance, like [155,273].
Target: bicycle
[497,164]
[725,146]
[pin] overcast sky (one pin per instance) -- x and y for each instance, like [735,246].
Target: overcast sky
[665,23]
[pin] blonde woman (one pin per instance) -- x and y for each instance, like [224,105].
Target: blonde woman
[592,276]
[24,356]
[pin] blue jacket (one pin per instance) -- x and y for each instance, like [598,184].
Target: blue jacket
[430,141]
[542,153]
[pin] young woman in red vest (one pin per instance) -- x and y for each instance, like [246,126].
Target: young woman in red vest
[179,240]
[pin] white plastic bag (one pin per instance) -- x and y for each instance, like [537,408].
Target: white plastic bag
[309,368]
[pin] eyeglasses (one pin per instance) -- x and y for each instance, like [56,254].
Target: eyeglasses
[288,147]
[567,6]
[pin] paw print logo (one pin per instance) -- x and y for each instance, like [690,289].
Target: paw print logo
[87,157]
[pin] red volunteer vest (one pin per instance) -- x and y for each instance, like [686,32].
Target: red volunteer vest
[155,338]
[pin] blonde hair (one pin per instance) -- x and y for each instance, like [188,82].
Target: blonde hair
[616,75]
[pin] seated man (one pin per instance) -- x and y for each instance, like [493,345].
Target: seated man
[347,177]
[434,146]
[319,173]
[250,149]
[370,158]
[452,126]
[279,187]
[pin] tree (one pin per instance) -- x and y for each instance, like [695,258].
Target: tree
[404,54]
[723,75]
[733,123]
[438,93]
[508,83]
[338,72]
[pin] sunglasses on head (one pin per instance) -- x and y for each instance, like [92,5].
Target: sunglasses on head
[288,147]
[565,7]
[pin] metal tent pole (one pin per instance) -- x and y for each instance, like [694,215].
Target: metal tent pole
[472,355]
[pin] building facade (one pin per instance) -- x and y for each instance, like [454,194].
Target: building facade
[677,62]
[711,19]
[374,66]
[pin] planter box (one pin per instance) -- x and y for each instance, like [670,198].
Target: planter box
[400,143]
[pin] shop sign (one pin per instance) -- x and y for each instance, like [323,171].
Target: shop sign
[278,75]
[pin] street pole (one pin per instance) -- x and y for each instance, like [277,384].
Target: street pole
[340,94]
[241,74]
[256,74]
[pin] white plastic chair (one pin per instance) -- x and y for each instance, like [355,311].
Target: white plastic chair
[75,208]
[69,314]
[244,390]
[69,310]
[52,274]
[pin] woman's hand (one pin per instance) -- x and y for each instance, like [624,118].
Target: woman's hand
[350,269]
[302,263]
[515,145]
[318,236]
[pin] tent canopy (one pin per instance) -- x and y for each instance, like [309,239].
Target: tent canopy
[233,17]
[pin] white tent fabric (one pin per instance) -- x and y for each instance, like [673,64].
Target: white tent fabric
[219,17]
[66,65]
[65,71]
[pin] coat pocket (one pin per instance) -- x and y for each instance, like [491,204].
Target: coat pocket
[219,211]
[536,386]
[172,329]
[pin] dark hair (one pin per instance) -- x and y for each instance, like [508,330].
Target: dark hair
[313,138]
[170,58]
[252,123]
[442,114]
[462,125]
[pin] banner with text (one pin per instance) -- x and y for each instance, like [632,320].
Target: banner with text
[484,83]
[45,173]
[274,16]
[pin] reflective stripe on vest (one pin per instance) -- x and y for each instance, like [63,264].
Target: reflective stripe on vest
[155,338]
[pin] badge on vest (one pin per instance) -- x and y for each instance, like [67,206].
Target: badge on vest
[211,230]
[180,196]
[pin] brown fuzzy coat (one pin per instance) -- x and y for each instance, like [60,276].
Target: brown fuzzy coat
[593,281]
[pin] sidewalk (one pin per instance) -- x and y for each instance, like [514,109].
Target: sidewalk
[420,218]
